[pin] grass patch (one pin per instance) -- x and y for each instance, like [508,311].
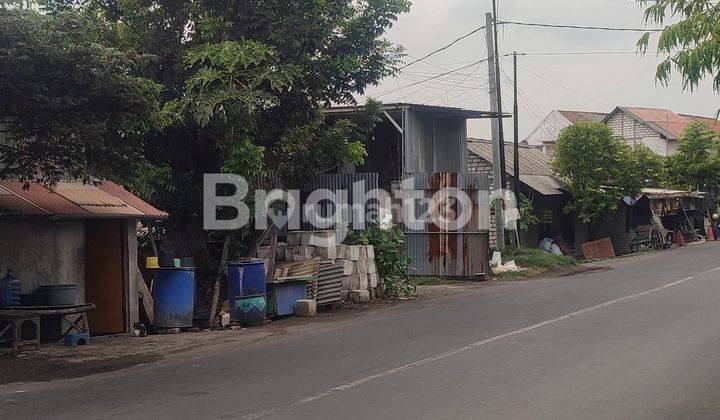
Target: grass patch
[533,261]
[431,281]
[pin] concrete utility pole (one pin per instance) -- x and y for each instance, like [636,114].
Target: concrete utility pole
[498,93]
[516,146]
[495,124]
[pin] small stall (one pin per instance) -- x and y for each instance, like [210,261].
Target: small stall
[659,215]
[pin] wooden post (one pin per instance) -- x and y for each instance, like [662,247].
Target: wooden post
[218,279]
[273,251]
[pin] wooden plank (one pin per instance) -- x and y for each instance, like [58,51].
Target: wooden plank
[273,250]
[147,299]
[598,250]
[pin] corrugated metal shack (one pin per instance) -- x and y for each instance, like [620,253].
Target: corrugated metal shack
[426,147]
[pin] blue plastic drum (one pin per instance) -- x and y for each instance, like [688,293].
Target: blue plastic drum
[174,296]
[246,278]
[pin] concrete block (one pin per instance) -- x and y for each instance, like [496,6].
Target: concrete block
[319,238]
[306,308]
[348,267]
[371,252]
[353,282]
[280,253]
[362,282]
[372,267]
[344,295]
[293,238]
[326,253]
[359,296]
[299,253]
[263,252]
[346,280]
[373,280]
[353,252]
[362,249]
[342,251]
[362,265]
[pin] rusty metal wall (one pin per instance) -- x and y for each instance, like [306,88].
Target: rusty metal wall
[437,251]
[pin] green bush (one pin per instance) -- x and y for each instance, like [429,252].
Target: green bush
[390,258]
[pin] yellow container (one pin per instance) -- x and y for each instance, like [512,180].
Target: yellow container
[152,262]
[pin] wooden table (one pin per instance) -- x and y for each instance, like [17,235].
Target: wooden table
[14,317]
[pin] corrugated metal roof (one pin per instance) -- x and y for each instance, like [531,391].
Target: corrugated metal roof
[535,169]
[655,193]
[72,200]
[665,121]
[577,116]
[460,112]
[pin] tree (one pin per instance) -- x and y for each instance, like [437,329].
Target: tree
[70,106]
[597,169]
[691,43]
[327,52]
[696,165]
[649,165]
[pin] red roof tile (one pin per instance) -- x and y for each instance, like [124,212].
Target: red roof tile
[668,123]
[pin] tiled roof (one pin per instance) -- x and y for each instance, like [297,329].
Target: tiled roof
[577,116]
[535,169]
[666,122]
[73,200]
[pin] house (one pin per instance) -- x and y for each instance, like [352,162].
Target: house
[659,129]
[544,136]
[537,182]
[83,234]
[418,150]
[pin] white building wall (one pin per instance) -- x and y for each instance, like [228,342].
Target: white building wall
[548,130]
[635,133]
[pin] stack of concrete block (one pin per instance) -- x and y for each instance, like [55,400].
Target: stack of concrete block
[302,246]
[360,271]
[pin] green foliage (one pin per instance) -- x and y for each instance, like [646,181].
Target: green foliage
[240,75]
[527,213]
[649,165]
[534,261]
[70,106]
[597,168]
[696,165]
[690,43]
[392,263]
[231,80]
[319,146]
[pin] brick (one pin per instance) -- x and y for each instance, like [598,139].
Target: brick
[306,308]
[371,252]
[353,252]
[362,282]
[359,296]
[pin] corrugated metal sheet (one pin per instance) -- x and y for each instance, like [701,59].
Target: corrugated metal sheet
[329,283]
[535,169]
[438,251]
[359,189]
[72,199]
[434,143]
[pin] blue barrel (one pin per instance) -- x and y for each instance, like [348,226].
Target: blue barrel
[246,278]
[174,296]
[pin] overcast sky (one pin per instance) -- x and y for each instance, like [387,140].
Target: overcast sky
[589,82]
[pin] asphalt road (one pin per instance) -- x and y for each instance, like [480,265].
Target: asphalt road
[639,340]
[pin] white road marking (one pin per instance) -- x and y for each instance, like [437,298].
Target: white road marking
[486,341]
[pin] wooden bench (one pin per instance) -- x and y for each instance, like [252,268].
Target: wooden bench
[75,316]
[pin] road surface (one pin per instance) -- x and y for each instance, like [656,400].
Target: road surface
[639,340]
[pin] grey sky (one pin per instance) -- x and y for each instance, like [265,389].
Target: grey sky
[594,82]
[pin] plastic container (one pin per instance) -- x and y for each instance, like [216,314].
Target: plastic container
[248,311]
[174,296]
[10,290]
[246,278]
[59,294]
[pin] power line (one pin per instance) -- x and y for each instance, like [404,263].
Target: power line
[444,47]
[458,84]
[593,28]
